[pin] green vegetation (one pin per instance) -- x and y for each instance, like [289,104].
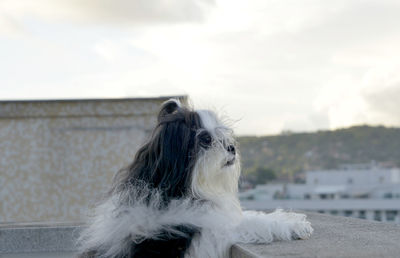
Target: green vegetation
[287,156]
[260,175]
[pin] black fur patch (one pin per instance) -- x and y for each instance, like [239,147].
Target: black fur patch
[166,161]
[164,165]
[169,244]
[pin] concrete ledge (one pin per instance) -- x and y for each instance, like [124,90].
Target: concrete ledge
[38,238]
[333,237]
[82,107]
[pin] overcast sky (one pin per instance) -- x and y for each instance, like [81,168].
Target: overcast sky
[271,65]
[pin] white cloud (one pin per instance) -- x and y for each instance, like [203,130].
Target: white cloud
[274,64]
[383,95]
[372,99]
[117,12]
[110,50]
[9,27]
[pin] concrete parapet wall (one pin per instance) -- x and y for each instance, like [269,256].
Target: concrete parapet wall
[36,238]
[57,157]
[333,237]
[39,240]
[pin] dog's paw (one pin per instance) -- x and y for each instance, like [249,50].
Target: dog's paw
[301,230]
[297,225]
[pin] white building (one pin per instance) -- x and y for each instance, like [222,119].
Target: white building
[368,192]
[370,182]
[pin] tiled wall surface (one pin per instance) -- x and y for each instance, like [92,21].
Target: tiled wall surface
[57,157]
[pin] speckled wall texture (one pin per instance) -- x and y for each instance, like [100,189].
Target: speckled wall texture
[57,157]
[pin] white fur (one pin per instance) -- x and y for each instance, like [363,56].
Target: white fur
[211,179]
[220,227]
[220,217]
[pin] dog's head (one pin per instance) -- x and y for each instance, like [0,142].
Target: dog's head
[190,154]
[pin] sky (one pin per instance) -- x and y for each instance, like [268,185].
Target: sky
[269,65]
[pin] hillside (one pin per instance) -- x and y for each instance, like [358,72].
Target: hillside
[289,155]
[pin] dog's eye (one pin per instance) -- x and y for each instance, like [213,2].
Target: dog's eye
[205,139]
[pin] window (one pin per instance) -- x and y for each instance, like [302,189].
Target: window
[345,196]
[348,213]
[388,196]
[391,215]
[362,215]
[377,215]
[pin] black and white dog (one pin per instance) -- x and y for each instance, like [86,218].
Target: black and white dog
[179,196]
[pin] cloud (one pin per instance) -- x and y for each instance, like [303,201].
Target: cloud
[9,27]
[383,95]
[384,105]
[276,65]
[128,12]
[372,99]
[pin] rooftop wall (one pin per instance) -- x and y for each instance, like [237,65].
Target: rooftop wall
[333,237]
[57,157]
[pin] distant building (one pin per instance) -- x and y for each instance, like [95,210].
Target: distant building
[370,182]
[364,191]
[58,156]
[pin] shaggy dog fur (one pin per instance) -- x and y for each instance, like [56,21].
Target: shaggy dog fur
[179,196]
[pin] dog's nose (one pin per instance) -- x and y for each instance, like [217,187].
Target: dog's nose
[231,149]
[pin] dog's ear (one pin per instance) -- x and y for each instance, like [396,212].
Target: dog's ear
[169,107]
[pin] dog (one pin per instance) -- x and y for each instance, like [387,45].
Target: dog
[178,198]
